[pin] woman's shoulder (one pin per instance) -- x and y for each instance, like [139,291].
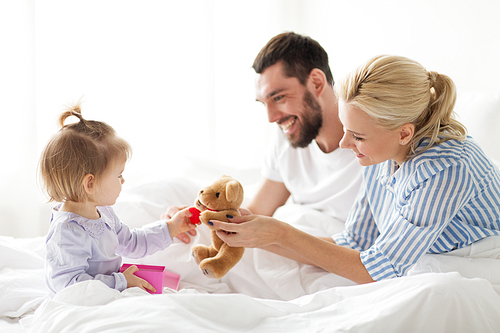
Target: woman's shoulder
[454,151]
[465,155]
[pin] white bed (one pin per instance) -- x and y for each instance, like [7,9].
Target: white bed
[263,292]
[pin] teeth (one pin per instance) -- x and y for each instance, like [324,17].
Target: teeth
[285,126]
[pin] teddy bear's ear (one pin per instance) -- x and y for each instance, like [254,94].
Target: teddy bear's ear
[233,190]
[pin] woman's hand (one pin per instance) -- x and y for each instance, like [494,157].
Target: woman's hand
[134,281]
[171,211]
[250,231]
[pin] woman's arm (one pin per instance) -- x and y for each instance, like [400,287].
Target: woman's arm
[283,239]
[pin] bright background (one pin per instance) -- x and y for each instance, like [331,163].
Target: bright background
[174,78]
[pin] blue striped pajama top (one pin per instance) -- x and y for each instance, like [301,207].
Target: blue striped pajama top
[440,200]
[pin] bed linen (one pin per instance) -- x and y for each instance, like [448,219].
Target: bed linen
[262,293]
[427,303]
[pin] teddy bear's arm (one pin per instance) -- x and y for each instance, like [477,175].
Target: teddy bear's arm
[220,216]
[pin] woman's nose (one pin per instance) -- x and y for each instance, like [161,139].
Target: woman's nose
[344,142]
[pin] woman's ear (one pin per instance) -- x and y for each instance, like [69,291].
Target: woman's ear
[406,133]
[89,183]
[317,81]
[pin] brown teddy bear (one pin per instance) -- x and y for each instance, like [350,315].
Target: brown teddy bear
[215,201]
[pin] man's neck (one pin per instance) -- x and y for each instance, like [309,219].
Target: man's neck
[332,131]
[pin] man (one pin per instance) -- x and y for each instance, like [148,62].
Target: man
[304,161]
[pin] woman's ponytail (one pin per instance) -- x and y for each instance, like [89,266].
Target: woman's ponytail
[443,97]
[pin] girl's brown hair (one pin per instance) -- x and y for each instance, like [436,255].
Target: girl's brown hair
[80,148]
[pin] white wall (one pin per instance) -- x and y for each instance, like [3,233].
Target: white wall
[455,37]
[175,78]
[19,195]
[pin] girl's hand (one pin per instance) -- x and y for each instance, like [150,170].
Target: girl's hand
[171,211]
[250,231]
[134,281]
[180,223]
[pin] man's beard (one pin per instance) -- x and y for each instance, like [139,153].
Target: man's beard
[312,121]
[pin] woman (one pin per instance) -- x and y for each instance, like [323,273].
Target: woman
[427,187]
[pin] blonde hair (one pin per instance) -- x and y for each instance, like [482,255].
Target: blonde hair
[395,90]
[78,149]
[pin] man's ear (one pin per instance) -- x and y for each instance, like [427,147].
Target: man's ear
[406,133]
[317,81]
[88,183]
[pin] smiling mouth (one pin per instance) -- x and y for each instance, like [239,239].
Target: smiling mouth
[287,123]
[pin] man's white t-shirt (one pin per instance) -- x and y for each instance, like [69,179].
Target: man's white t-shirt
[325,182]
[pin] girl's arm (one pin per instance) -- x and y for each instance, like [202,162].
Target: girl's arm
[140,242]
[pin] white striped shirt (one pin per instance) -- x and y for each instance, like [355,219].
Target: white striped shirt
[440,200]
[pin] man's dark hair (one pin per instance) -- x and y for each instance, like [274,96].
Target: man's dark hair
[299,54]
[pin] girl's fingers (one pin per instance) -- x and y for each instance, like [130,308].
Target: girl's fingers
[132,269]
[145,285]
[148,286]
[184,238]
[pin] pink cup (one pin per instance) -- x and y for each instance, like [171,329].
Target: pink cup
[156,275]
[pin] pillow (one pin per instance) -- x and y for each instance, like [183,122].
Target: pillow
[144,202]
[22,279]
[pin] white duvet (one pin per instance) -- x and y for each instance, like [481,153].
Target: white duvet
[262,293]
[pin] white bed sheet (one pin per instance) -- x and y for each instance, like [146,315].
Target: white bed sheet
[426,303]
[262,293]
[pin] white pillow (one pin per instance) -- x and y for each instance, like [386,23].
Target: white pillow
[22,279]
[143,203]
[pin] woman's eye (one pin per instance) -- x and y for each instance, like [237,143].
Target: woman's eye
[357,138]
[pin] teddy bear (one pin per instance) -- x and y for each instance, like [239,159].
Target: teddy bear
[214,202]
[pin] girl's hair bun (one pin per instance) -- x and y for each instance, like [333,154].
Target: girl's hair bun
[71,111]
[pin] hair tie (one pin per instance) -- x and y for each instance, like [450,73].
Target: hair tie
[433,76]
[72,111]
